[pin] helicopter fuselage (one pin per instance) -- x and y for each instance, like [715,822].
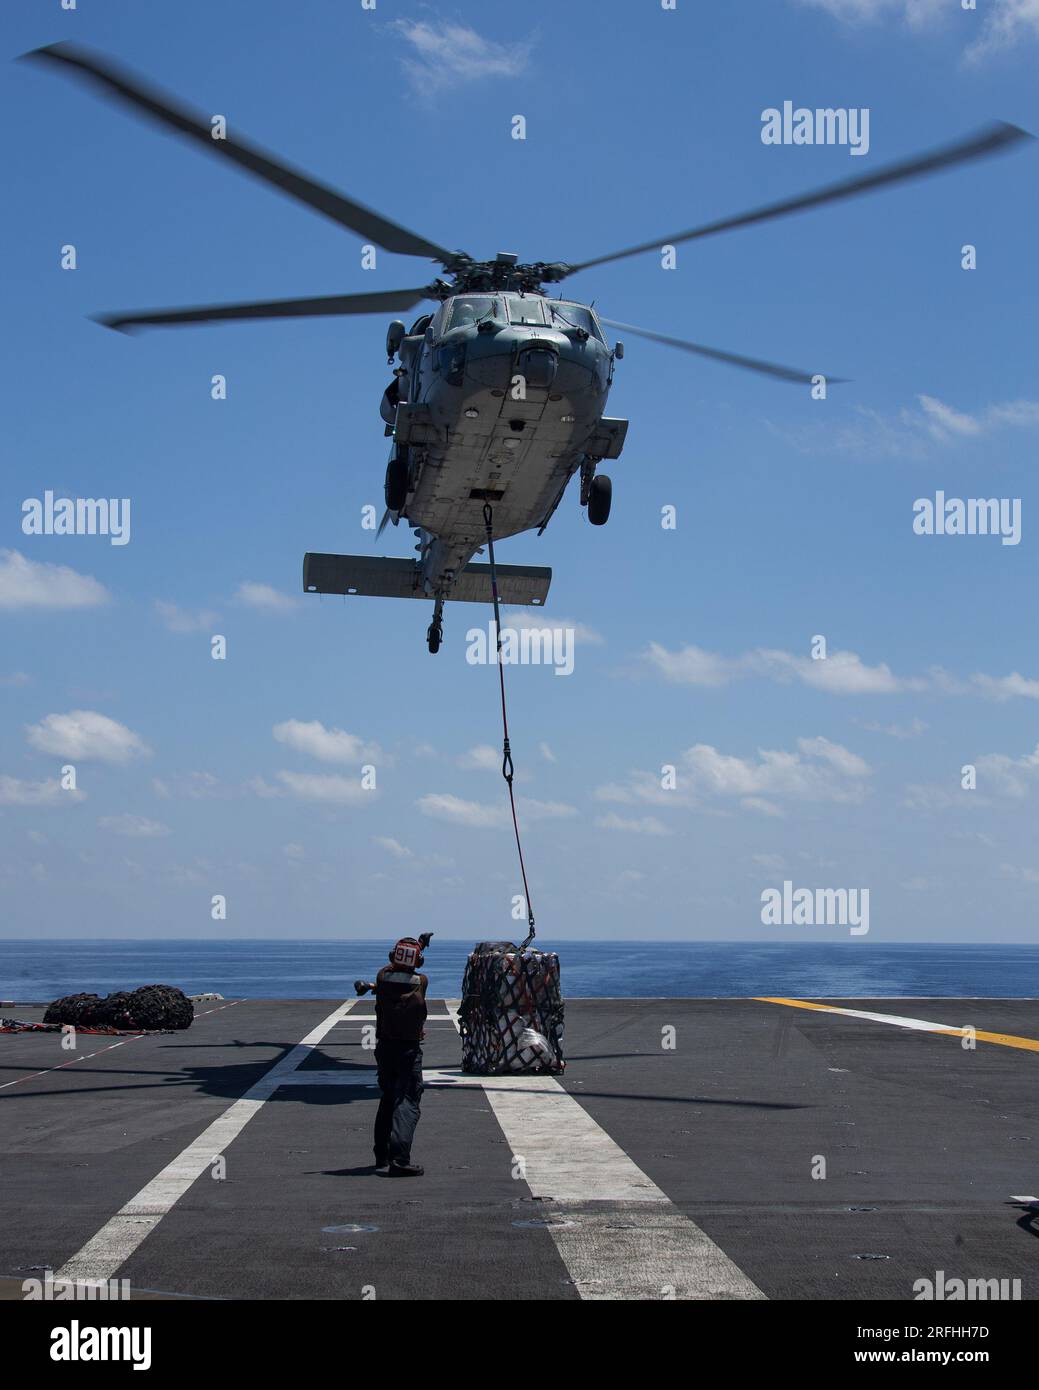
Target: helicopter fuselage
[499,399]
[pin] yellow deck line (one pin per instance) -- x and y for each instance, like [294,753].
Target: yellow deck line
[1001,1039]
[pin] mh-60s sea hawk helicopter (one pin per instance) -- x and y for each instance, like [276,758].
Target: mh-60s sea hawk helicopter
[500,394]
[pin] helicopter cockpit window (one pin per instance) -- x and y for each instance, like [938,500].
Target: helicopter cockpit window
[469,309]
[574,316]
[524,309]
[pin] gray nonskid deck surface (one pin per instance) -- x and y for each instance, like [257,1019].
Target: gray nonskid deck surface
[924,1142]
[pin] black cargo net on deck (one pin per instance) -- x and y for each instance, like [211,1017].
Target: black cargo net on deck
[511,1015]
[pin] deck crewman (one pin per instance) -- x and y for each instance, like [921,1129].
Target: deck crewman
[400,1016]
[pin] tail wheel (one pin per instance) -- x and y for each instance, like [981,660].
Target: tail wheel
[397,481]
[600,495]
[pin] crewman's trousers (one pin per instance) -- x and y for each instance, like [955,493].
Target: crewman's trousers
[400,1081]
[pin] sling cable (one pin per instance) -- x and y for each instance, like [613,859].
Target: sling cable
[506,763]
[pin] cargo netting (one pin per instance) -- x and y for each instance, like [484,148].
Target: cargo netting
[511,1015]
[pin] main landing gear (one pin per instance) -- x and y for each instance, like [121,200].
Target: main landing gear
[435,631]
[600,495]
[596,493]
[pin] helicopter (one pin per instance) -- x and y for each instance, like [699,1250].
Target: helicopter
[498,400]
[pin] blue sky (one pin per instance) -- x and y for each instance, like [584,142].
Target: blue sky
[241,777]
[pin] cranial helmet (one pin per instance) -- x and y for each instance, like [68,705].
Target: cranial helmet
[407,954]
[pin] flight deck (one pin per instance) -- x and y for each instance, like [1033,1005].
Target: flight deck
[693,1149]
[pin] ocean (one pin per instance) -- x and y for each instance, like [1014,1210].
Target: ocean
[38,971]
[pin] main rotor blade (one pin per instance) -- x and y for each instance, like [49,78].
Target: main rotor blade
[383,301]
[167,111]
[752,364]
[987,141]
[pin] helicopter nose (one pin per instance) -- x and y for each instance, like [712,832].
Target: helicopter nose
[537,365]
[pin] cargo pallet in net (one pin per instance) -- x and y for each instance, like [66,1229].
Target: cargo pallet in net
[511,1015]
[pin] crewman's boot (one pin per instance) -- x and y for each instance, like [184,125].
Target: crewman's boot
[382,1163]
[406,1170]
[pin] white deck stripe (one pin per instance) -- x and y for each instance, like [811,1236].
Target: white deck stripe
[117,1240]
[920,1024]
[626,1239]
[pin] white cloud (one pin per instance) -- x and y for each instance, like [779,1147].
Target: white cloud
[443,54]
[1006,687]
[942,420]
[177,619]
[944,423]
[635,825]
[921,884]
[482,758]
[134,827]
[293,852]
[910,433]
[1010,22]
[14,792]
[901,731]
[83,733]
[691,665]
[999,775]
[774,863]
[259,787]
[932,796]
[392,846]
[916,13]
[321,786]
[845,762]
[1003,23]
[645,787]
[264,598]
[326,745]
[818,771]
[839,673]
[536,620]
[456,811]
[1016,777]
[197,786]
[1023,875]
[1021,413]
[546,753]
[28,583]
[16,678]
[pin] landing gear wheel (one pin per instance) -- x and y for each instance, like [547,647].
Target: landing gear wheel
[435,631]
[600,495]
[397,482]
